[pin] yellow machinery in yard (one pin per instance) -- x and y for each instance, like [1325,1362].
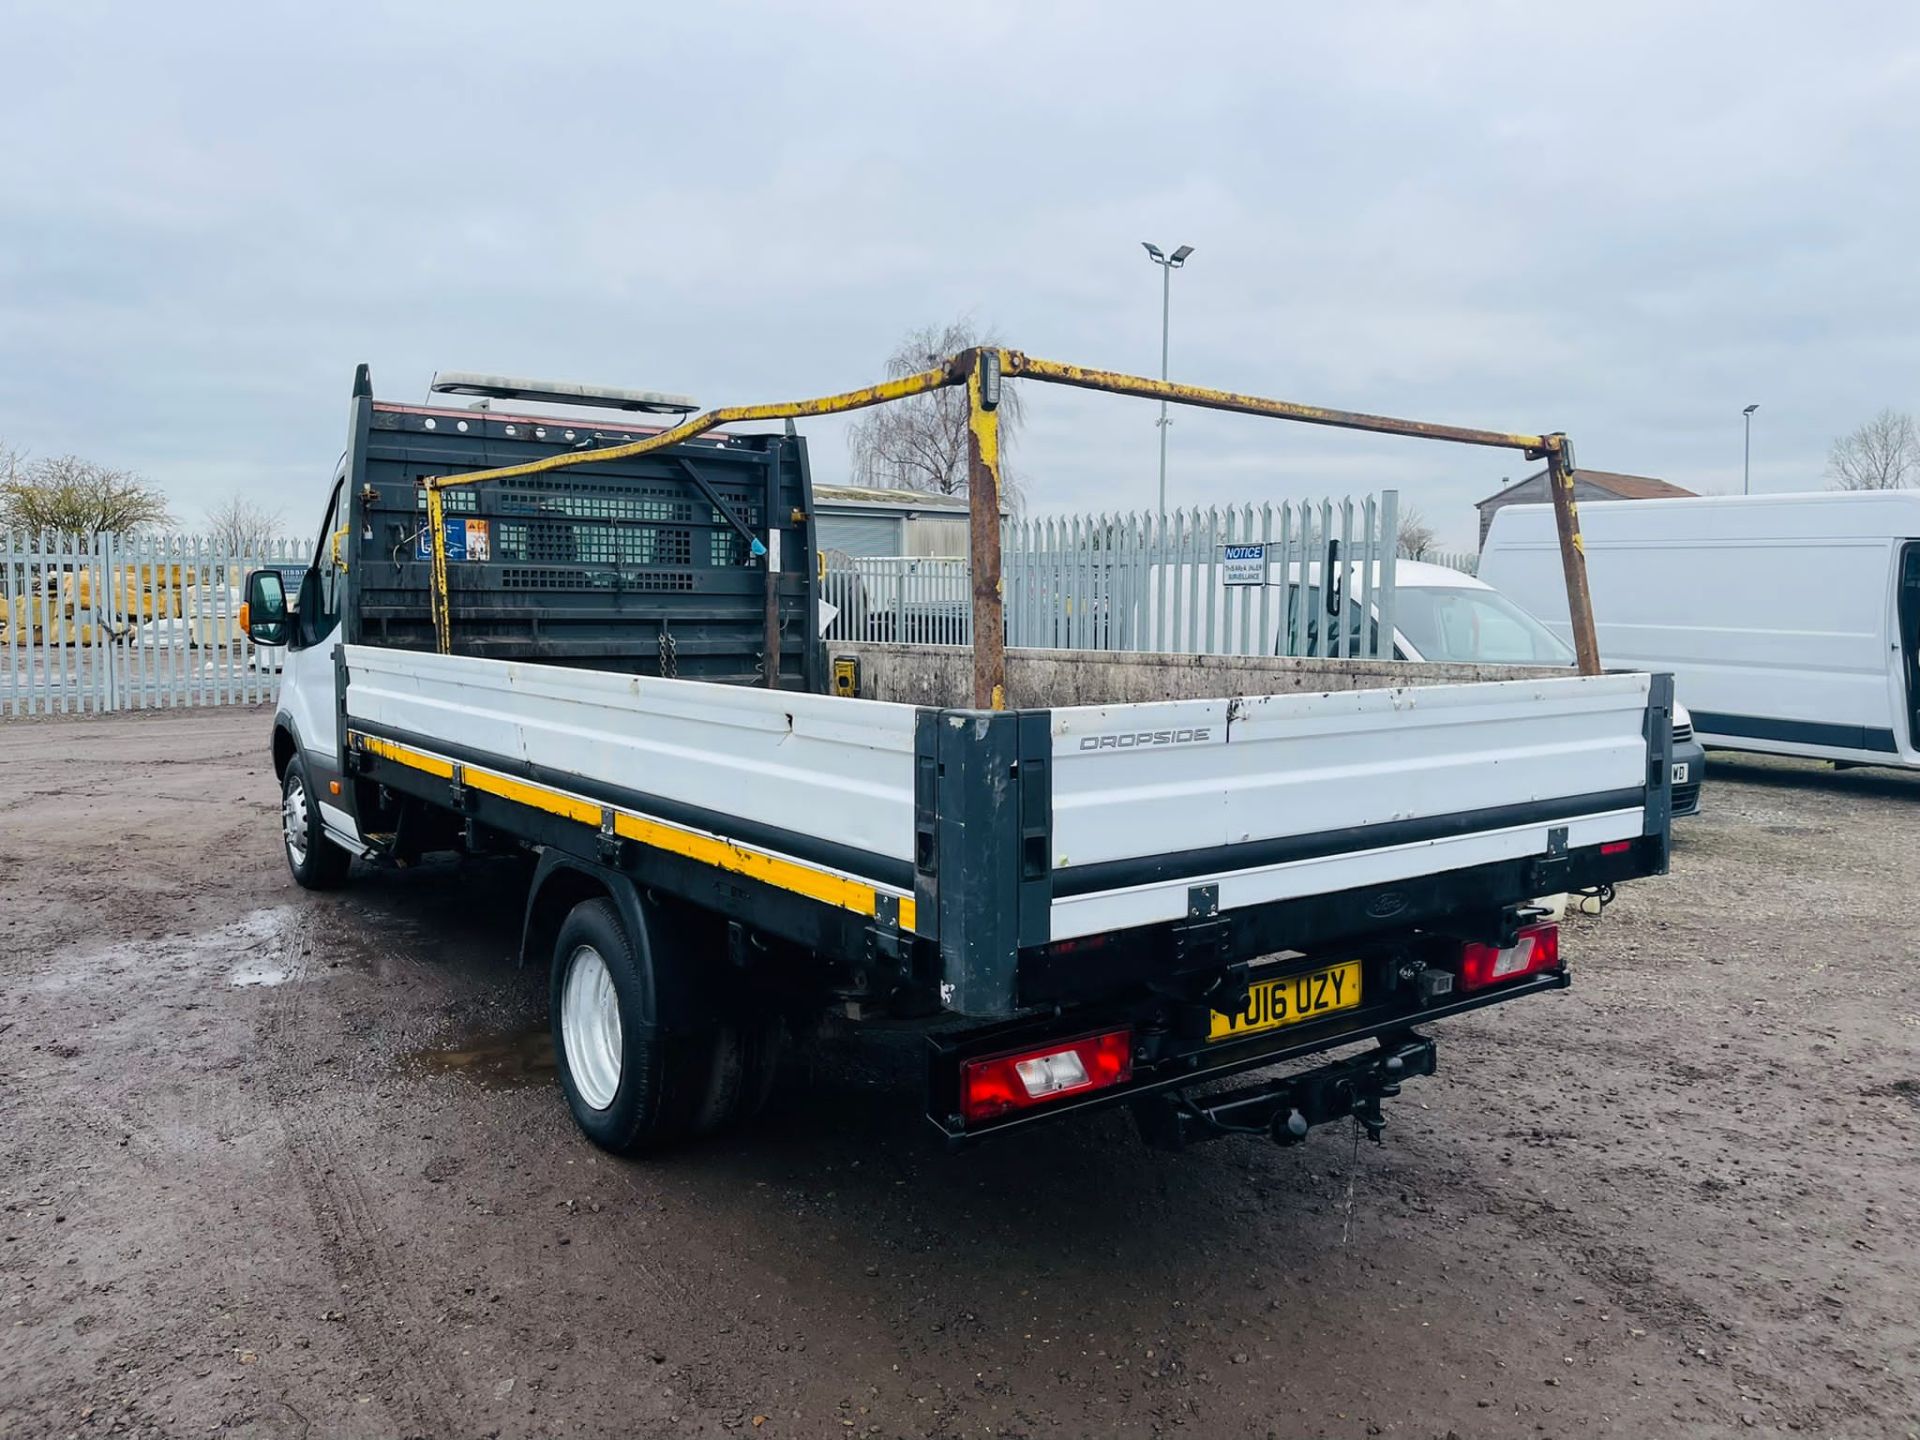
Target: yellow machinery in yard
[67,614]
[63,608]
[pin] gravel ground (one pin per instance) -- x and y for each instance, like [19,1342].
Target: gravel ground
[288,1165]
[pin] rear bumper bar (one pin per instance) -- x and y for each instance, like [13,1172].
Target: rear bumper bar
[1171,1073]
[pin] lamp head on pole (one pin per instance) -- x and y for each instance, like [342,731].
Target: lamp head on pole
[1160,257]
[1154,251]
[1751,408]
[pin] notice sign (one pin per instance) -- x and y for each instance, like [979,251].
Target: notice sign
[1244,564]
[466,540]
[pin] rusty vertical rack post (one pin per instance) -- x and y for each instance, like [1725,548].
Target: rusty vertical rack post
[437,546]
[1573,553]
[983,506]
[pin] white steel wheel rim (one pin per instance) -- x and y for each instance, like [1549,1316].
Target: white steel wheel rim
[293,819]
[590,1027]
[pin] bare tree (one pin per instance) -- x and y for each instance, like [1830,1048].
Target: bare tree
[1883,454]
[920,443]
[71,496]
[1417,537]
[239,526]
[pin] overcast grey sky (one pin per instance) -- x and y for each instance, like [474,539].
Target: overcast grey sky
[1625,223]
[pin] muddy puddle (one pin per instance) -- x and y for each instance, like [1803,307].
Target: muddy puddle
[522,1057]
[268,946]
[261,970]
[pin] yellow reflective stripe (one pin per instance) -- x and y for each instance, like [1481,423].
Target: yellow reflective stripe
[838,890]
[554,802]
[841,891]
[405,755]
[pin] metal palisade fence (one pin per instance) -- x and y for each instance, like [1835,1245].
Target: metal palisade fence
[1467,562]
[1243,580]
[906,600]
[130,622]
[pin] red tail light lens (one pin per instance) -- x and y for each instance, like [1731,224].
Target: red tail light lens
[1021,1079]
[1537,948]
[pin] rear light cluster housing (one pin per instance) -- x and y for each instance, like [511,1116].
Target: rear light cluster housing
[997,1085]
[1534,949]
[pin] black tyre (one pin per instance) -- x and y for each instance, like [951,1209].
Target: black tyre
[741,1057]
[316,862]
[762,1042]
[631,1086]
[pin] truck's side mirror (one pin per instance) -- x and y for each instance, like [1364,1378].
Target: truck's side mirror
[264,616]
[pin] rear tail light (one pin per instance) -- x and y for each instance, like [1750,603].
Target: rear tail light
[1534,949]
[1024,1078]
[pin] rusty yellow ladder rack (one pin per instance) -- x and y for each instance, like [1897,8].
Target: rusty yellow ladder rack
[982,371]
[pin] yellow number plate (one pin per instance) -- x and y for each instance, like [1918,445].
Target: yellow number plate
[1273,1003]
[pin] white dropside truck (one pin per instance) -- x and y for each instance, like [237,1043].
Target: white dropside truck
[1083,904]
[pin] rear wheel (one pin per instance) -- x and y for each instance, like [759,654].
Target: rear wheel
[631,1085]
[316,862]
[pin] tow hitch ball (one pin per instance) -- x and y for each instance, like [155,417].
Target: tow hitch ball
[1361,1102]
[1356,1092]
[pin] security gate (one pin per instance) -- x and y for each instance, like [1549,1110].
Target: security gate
[92,624]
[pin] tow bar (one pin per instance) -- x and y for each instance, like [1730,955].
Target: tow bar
[1286,1109]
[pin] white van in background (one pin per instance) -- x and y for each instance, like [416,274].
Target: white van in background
[1790,623]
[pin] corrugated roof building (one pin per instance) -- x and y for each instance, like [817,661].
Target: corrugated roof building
[857,520]
[1588,485]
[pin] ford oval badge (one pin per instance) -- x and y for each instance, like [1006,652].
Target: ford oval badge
[1386,905]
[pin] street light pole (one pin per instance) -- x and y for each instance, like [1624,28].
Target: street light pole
[1746,463]
[1168,264]
[1166,318]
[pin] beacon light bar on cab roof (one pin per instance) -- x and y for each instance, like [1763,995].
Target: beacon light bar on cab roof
[562,392]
